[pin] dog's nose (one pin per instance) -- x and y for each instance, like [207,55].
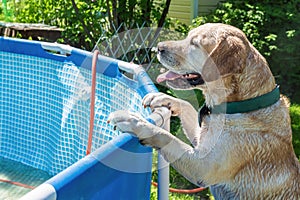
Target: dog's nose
[161,47]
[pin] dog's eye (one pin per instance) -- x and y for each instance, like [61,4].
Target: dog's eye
[194,42]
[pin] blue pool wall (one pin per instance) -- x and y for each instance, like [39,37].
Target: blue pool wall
[108,66]
[106,174]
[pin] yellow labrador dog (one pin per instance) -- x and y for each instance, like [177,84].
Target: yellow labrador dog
[241,139]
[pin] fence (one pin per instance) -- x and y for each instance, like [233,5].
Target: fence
[135,43]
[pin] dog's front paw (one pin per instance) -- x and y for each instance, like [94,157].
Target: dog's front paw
[134,123]
[130,122]
[155,100]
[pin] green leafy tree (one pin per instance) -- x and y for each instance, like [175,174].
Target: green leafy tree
[7,10]
[83,20]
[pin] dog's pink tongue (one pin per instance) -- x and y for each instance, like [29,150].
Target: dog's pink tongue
[169,75]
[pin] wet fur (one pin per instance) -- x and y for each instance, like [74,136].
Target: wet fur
[253,157]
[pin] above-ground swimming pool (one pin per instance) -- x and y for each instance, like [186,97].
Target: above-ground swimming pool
[45,98]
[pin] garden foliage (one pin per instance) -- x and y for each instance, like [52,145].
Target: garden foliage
[295,121]
[84,21]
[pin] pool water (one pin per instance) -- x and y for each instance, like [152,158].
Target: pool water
[17,172]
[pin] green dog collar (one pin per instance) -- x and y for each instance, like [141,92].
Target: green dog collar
[248,105]
[245,106]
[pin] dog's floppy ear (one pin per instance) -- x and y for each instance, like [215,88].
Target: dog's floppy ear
[228,57]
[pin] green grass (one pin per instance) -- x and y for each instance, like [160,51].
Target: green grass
[175,196]
[295,122]
[179,182]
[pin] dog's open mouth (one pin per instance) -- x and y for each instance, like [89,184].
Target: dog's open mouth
[192,78]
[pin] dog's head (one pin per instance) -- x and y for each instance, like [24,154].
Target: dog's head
[212,52]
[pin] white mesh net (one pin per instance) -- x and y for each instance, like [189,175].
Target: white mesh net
[45,106]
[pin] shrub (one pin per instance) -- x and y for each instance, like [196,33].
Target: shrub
[295,121]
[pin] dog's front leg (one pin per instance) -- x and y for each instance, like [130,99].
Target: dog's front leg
[189,161]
